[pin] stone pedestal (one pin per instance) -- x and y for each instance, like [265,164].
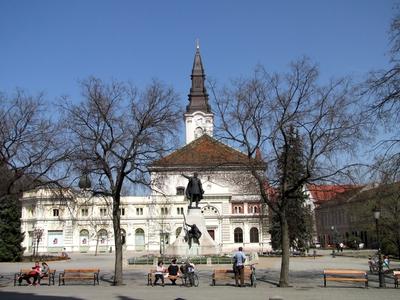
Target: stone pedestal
[207,245]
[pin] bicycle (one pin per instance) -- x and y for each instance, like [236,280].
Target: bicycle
[190,279]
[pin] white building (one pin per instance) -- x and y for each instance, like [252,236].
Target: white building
[231,206]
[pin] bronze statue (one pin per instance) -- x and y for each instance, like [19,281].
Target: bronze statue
[194,189]
[192,235]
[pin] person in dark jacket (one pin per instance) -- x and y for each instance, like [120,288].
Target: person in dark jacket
[173,271]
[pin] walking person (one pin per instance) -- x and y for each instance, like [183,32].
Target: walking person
[386,262]
[239,259]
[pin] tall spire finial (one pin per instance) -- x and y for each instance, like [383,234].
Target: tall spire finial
[198,97]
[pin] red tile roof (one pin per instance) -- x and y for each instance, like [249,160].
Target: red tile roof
[323,193]
[205,152]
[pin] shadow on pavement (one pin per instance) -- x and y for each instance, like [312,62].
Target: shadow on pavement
[19,296]
[127,298]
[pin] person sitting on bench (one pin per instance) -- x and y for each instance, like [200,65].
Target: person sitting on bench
[173,271]
[160,271]
[35,273]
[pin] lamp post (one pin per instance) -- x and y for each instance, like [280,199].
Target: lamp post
[333,241]
[377,214]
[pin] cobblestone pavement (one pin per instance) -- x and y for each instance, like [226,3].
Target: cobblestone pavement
[305,278]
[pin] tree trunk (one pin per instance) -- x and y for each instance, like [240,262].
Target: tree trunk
[37,247]
[97,244]
[118,280]
[398,249]
[284,276]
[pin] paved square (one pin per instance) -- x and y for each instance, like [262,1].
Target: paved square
[306,279]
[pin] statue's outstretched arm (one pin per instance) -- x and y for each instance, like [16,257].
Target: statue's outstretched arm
[187,177]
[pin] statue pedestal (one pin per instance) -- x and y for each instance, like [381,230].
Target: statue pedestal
[207,245]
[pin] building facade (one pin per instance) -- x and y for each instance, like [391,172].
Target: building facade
[233,212]
[344,214]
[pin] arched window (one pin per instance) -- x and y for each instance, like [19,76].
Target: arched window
[102,236]
[238,235]
[237,209]
[254,235]
[198,132]
[139,239]
[84,237]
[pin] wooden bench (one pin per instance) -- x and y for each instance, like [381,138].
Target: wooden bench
[345,275]
[79,275]
[50,275]
[396,276]
[228,274]
[151,277]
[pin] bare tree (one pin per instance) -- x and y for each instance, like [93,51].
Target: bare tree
[116,132]
[30,145]
[383,89]
[30,153]
[257,112]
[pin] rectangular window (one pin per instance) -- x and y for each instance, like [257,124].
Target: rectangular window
[122,211]
[84,212]
[164,211]
[56,212]
[179,210]
[139,211]
[55,238]
[103,212]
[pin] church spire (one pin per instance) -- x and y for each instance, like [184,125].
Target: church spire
[198,97]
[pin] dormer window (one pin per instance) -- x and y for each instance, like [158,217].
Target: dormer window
[56,212]
[180,190]
[85,212]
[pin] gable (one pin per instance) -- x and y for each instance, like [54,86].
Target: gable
[205,152]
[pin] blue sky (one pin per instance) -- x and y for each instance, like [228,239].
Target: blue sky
[51,45]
